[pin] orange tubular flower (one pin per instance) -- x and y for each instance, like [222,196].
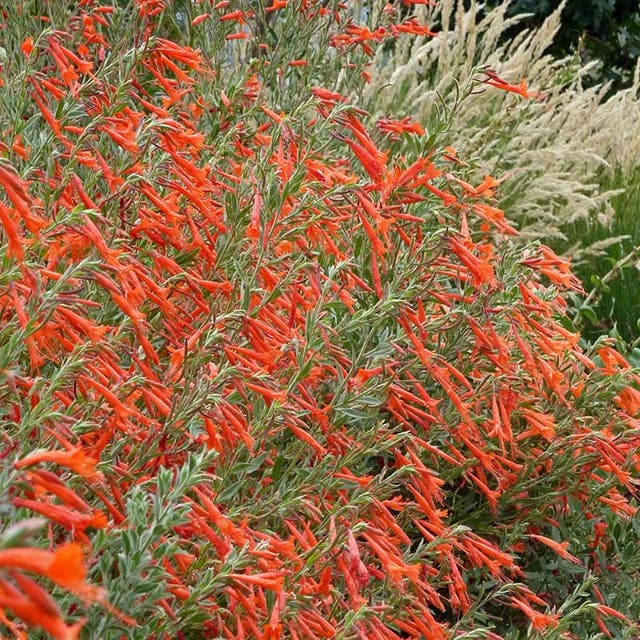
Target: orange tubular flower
[34,606]
[276,5]
[75,459]
[69,518]
[495,80]
[540,424]
[271,581]
[398,127]
[16,190]
[557,269]
[201,18]
[412,26]
[539,621]
[559,547]
[63,566]
[27,46]
[629,400]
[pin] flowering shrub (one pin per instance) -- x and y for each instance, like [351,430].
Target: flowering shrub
[270,369]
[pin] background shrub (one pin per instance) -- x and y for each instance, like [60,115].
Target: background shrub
[604,30]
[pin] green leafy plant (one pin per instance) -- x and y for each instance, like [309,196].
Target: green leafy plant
[270,366]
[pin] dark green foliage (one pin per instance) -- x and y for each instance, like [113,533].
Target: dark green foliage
[606,30]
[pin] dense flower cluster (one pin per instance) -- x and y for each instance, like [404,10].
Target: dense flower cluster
[271,370]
